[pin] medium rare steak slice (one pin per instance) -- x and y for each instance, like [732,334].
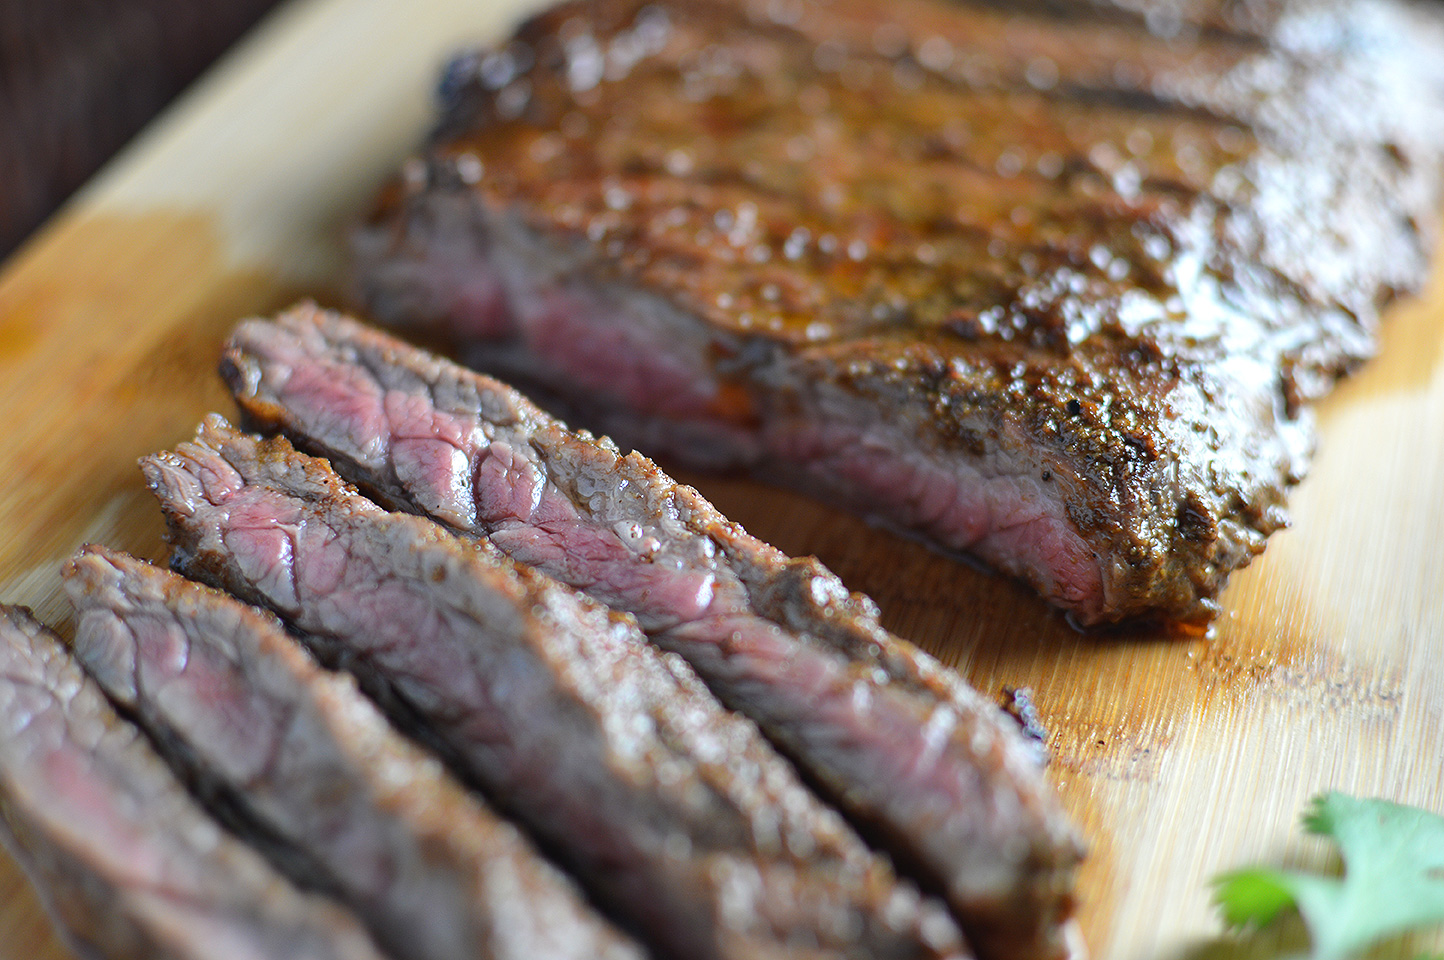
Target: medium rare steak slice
[1051,284]
[671,810]
[122,856]
[239,706]
[899,742]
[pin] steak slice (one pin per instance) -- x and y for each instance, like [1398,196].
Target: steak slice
[120,853]
[671,810]
[1051,284]
[898,741]
[238,705]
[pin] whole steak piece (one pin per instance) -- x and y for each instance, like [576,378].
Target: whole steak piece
[902,745]
[123,857]
[1051,285]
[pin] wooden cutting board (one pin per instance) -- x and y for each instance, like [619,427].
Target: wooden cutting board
[1177,757]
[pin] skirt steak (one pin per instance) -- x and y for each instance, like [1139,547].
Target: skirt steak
[123,857]
[1051,283]
[670,810]
[897,741]
[305,761]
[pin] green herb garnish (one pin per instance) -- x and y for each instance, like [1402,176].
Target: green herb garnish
[1393,878]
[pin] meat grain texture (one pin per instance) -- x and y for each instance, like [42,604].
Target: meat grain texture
[318,777]
[900,743]
[124,859]
[673,812]
[1053,284]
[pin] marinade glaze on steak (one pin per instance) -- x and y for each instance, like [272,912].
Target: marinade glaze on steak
[672,811]
[238,706]
[896,740]
[1051,284]
[121,855]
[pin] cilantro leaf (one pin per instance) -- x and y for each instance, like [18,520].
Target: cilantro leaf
[1393,878]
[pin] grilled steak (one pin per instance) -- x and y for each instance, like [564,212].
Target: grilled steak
[240,706]
[123,857]
[670,809]
[897,740]
[1052,284]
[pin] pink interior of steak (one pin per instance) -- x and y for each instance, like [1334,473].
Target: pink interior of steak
[122,854]
[778,639]
[648,382]
[554,703]
[232,700]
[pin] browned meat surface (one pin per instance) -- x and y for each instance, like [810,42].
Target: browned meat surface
[305,761]
[122,856]
[674,812]
[1052,283]
[897,741]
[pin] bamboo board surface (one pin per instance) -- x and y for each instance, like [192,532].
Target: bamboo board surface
[1178,757]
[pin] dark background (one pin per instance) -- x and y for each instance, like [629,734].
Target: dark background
[78,78]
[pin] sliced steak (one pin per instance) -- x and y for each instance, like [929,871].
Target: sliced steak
[670,809]
[902,744]
[120,853]
[1051,283]
[236,702]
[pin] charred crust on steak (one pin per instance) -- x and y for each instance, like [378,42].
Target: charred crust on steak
[1134,245]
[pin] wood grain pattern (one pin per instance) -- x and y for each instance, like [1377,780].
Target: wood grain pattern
[1178,756]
